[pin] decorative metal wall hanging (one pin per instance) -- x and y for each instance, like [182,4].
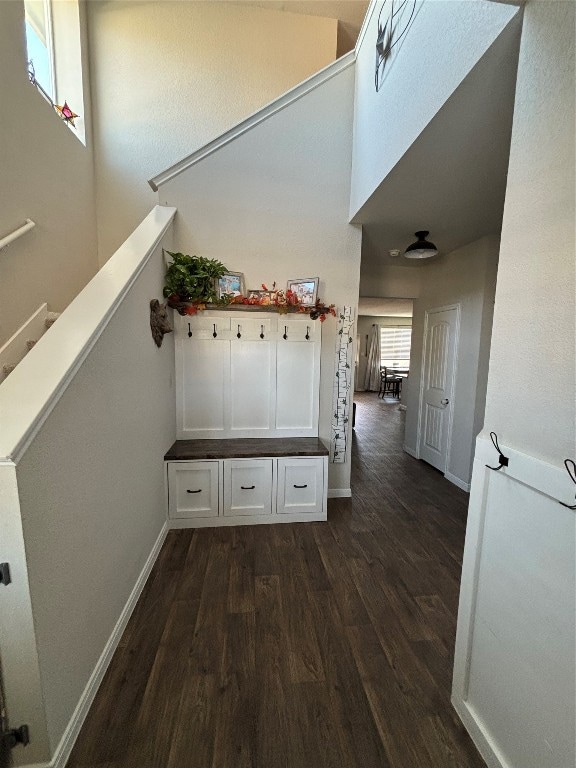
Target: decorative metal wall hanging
[342,385]
[390,32]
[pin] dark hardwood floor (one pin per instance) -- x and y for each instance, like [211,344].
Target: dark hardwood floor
[304,645]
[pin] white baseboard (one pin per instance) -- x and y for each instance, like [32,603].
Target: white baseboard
[489,751]
[222,522]
[339,493]
[410,451]
[70,735]
[457,481]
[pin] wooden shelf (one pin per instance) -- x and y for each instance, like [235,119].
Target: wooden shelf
[289,310]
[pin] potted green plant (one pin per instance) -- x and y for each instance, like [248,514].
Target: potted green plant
[192,278]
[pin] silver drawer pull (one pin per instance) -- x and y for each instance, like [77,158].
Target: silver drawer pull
[300,486]
[247,487]
[198,491]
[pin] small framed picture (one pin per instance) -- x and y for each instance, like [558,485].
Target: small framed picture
[232,284]
[306,289]
[263,297]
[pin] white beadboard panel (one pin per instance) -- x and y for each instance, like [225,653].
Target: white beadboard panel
[297,372]
[514,674]
[203,367]
[252,385]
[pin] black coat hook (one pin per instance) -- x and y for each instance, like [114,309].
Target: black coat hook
[214,334]
[261,331]
[285,336]
[189,331]
[571,469]
[307,332]
[238,335]
[503,460]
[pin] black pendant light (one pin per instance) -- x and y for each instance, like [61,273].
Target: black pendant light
[422,248]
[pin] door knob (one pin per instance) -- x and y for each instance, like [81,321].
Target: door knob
[444,401]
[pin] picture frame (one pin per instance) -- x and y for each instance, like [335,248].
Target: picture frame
[260,295]
[306,289]
[231,284]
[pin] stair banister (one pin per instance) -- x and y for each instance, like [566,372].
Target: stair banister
[26,227]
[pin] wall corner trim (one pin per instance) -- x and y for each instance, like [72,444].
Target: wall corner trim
[457,481]
[70,735]
[411,451]
[255,119]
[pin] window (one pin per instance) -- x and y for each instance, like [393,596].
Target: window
[39,45]
[395,346]
[53,42]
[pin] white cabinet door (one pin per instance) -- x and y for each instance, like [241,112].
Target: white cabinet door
[252,393]
[300,485]
[248,486]
[193,489]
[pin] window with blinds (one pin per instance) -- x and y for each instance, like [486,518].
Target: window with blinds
[395,346]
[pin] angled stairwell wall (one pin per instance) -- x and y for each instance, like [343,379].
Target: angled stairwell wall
[86,418]
[443,42]
[270,199]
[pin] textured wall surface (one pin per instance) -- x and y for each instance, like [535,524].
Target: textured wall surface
[47,176]
[273,204]
[92,495]
[535,296]
[170,76]
[465,276]
[417,80]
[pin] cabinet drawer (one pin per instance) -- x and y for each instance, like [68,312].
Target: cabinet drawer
[248,487]
[193,489]
[300,485]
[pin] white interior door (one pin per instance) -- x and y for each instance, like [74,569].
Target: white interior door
[435,418]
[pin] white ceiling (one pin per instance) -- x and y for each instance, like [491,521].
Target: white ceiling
[377,307]
[452,180]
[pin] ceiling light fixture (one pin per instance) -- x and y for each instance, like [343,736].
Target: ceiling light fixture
[422,248]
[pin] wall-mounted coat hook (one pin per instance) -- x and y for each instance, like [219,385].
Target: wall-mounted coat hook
[502,460]
[571,469]
[238,335]
[285,336]
[214,334]
[189,331]
[261,331]
[307,332]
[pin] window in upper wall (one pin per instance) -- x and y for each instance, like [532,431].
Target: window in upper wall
[395,346]
[53,43]
[39,45]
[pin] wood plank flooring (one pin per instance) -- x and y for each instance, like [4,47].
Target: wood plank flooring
[318,645]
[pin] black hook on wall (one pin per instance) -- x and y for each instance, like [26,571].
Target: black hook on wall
[285,336]
[307,332]
[189,331]
[571,469]
[502,460]
[214,334]
[261,331]
[238,335]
